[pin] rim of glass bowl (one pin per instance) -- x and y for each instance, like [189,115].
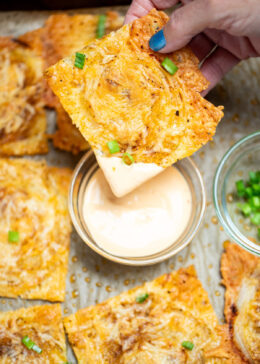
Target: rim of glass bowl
[141,261]
[230,228]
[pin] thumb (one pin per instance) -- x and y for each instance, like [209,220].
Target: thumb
[184,23]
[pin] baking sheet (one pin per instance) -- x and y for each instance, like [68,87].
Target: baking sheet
[92,279]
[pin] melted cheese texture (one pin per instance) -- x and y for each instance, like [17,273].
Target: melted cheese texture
[123,93]
[241,276]
[122,331]
[43,325]
[22,118]
[62,35]
[33,201]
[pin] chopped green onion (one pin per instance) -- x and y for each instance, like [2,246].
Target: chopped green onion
[187,345]
[27,342]
[31,345]
[249,192]
[79,60]
[254,201]
[101,26]
[142,298]
[128,159]
[253,177]
[37,349]
[13,236]
[258,232]
[245,208]
[255,219]
[169,66]
[241,193]
[240,188]
[256,188]
[113,146]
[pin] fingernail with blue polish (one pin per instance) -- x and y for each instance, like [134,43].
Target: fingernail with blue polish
[157,41]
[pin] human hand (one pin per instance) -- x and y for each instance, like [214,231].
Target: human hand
[233,25]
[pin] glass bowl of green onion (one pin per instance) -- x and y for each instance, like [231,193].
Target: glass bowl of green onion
[236,192]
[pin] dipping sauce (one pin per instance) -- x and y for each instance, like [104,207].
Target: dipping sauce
[143,222]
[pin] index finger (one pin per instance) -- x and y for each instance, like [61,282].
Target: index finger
[140,8]
[137,9]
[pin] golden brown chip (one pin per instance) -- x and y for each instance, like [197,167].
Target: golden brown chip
[148,324]
[241,276]
[43,325]
[33,40]
[123,93]
[22,117]
[64,34]
[67,136]
[33,202]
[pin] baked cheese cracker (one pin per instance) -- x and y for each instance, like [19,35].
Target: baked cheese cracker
[123,93]
[149,324]
[42,325]
[241,276]
[34,229]
[67,136]
[62,35]
[22,118]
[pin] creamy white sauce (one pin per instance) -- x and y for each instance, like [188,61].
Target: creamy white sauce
[124,178]
[143,222]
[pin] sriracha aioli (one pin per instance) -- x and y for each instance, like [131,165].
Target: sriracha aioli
[143,222]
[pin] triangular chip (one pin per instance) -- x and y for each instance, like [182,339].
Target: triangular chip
[150,325]
[123,93]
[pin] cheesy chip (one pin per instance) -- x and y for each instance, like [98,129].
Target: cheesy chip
[123,93]
[67,136]
[22,118]
[241,276]
[43,325]
[62,35]
[149,324]
[33,208]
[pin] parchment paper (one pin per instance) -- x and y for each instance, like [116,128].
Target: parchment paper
[92,279]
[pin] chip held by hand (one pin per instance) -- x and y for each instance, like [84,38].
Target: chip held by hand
[127,93]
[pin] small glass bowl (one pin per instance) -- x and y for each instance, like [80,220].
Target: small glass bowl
[242,157]
[83,172]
